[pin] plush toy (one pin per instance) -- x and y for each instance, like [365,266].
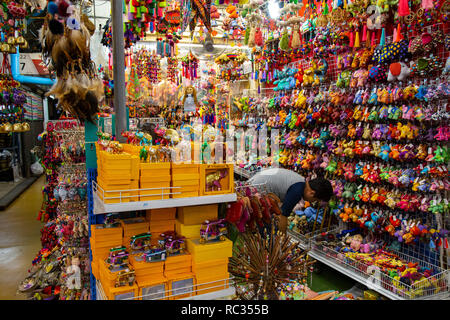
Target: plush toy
[398,71]
[378,73]
[309,76]
[343,80]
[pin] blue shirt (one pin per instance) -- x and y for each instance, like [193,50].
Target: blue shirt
[292,197]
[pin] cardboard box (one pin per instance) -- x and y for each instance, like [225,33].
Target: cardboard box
[226,182]
[181,286]
[122,293]
[188,231]
[153,289]
[161,214]
[213,250]
[197,214]
[207,268]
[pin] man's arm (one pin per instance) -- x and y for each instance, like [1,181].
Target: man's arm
[293,196]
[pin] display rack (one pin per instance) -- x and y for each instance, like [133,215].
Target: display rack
[100,196]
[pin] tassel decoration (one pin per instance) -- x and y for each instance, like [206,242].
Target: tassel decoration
[356,45]
[383,38]
[364,35]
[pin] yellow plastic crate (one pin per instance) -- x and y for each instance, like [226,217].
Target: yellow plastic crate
[197,214]
[202,252]
[227,182]
[154,288]
[191,231]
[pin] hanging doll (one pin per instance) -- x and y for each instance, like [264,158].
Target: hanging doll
[73,273]
[190,103]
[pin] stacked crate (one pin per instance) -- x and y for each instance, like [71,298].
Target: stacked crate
[103,239]
[210,264]
[114,174]
[190,219]
[146,271]
[132,227]
[155,288]
[154,175]
[186,179]
[160,220]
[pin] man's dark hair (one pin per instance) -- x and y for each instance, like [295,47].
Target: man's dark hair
[322,187]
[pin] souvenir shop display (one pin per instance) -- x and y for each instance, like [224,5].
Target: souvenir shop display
[61,269]
[355,92]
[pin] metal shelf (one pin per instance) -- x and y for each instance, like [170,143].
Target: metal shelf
[100,207]
[366,280]
[354,276]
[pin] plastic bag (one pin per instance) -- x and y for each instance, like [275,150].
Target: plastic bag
[36,169]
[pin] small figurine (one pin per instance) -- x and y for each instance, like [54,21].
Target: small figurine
[172,243]
[213,180]
[73,272]
[125,277]
[118,258]
[140,242]
[213,230]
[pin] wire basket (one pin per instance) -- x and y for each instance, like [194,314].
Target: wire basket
[428,288]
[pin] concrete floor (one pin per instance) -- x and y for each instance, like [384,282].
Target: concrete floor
[19,239]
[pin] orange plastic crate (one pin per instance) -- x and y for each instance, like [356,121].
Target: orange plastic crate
[227,182]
